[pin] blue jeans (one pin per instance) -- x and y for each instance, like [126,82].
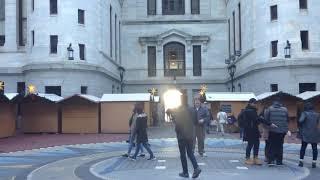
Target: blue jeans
[146,146]
[131,143]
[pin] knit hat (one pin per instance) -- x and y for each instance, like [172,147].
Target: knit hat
[252,100]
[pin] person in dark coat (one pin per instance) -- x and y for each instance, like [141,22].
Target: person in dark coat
[278,115]
[309,132]
[250,121]
[141,131]
[201,115]
[184,127]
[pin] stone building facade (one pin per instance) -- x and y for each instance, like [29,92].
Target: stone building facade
[160,43]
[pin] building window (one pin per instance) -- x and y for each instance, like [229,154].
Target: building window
[173,7]
[81,16]
[110,25]
[53,7]
[53,44]
[152,7]
[84,89]
[32,37]
[304,35]
[274,48]
[2,40]
[303,4]
[303,87]
[234,32]
[115,38]
[22,23]
[273,87]
[152,61]
[195,6]
[174,59]
[21,87]
[53,90]
[274,12]
[82,51]
[32,5]
[196,60]
[113,89]
[240,38]
[229,37]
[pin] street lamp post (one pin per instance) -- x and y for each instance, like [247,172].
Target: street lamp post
[121,71]
[232,67]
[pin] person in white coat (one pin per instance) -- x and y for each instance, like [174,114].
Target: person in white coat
[222,120]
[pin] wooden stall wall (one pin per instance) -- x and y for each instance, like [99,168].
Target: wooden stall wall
[79,116]
[236,107]
[38,117]
[7,120]
[115,116]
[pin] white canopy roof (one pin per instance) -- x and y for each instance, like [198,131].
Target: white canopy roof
[85,96]
[125,97]
[228,96]
[269,94]
[10,96]
[308,95]
[50,97]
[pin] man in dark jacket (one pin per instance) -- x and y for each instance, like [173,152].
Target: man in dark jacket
[249,122]
[184,126]
[201,116]
[278,115]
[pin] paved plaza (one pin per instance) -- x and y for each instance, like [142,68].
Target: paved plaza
[103,161]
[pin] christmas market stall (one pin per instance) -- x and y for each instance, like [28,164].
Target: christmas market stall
[311,96]
[7,115]
[116,109]
[40,113]
[287,100]
[80,114]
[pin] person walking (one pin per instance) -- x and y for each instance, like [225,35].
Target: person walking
[201,116]
[184,127]
[132,136]
[141,130]
[265,136]
[222,120]
[250,122]
[208,123]
[309,132]
[278,115]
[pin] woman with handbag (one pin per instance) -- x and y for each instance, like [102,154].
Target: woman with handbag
[309,132]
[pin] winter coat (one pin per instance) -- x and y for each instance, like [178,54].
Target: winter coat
[250,122]
[278,115]
[184,124]
[310,128]
[141,128]
[222,117]
[201,113]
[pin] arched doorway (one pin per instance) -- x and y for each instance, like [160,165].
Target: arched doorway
[174,59]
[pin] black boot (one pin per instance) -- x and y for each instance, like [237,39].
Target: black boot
[314,164]
[184,175]
[300,163]
[196,173]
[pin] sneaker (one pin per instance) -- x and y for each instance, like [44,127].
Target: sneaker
[184,175]
[196,173]
[132,158]
[151,158]
[300,164]
[314,165]
[271,163]
[280,163]
[256,161]
[142,155]
[249,161]
[125,155]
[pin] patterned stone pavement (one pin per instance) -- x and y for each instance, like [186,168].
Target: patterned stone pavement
[103,161]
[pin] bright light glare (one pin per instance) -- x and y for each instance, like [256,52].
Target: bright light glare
[172,99]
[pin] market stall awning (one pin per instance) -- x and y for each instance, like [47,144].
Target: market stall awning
[141,97]
[228,96]
[309,95]
[90,98]
[268,95]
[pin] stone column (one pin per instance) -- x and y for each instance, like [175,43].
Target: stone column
[187,6]
[159,7]
[11,25]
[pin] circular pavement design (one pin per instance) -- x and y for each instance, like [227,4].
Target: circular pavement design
[102,161]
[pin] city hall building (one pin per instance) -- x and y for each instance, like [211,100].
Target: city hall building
[79,46]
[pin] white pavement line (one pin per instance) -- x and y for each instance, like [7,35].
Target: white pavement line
[17,166]
[160,167]
[161,161]
[201,164]
[242,168]
[234,161]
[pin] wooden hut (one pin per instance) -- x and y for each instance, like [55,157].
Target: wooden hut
[288,100]
[311,96]
[116,109]
[40,113]
[231,103]
[7,115]
[80,114]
